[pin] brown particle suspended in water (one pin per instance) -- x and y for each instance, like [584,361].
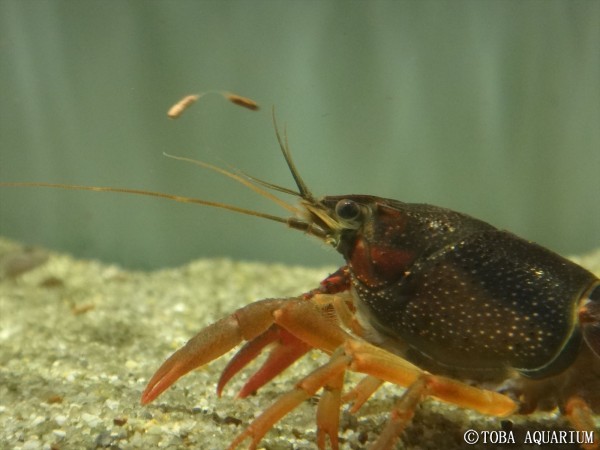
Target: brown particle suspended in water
[242,101]
[178,108]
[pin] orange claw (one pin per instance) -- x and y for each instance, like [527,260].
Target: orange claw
[287,350]
[212,342]
[284,354]
[245,355]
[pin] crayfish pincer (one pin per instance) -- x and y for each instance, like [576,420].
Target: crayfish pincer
[432,300]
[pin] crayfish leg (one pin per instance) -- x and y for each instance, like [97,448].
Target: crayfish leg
[379,363]
[328,411]
[580,415]
[402,414]
[361,392]
[304,389]
[212,342]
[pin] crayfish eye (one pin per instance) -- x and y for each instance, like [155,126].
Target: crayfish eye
[348,210]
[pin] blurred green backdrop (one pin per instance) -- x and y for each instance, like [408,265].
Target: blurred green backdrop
[490,108]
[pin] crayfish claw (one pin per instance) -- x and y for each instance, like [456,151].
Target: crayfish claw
[287,350]
[245,355]
[212,342]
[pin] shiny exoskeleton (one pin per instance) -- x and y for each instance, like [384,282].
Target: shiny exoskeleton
[463,295]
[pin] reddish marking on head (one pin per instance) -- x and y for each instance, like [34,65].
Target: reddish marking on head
[391,263]
[360,262]
[379,265]
[378,256]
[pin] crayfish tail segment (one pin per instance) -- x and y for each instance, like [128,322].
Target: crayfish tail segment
[212,342]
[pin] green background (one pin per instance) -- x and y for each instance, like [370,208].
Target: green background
[487,107]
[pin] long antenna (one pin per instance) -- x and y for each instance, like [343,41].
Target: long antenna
[175,198]
[285,150]
[239,179]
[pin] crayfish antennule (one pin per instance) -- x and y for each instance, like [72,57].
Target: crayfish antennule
[178,108]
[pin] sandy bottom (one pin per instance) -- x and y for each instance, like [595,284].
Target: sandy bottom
[80,339]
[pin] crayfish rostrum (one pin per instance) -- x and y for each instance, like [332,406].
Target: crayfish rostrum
[430,299]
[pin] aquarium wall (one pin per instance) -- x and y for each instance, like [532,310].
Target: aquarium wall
[489,108]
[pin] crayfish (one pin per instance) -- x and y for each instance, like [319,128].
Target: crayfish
[429,299]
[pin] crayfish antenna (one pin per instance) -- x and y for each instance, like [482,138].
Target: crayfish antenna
[175,198]
[240,179]
[285,150]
